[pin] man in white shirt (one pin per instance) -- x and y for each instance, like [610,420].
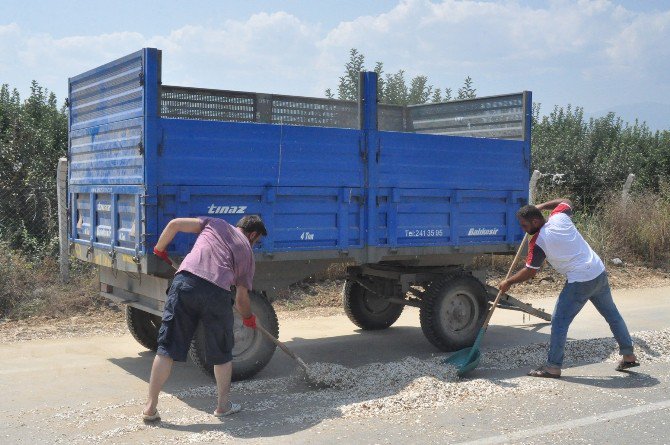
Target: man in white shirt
[557,240]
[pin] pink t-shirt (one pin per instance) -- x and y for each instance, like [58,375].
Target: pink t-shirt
[221,255]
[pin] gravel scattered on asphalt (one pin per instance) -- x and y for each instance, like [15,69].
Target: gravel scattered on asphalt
[330,375]
[650,346]
[376,390]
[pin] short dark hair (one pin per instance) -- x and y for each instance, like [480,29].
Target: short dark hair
[252,223]
[529,212]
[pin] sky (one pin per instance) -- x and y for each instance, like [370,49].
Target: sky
[599,54]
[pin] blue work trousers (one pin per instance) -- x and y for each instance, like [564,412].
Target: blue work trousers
[572,299]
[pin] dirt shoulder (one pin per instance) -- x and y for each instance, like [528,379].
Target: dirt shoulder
[548,282]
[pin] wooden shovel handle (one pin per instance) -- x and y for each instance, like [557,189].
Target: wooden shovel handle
[509,272]
[276,341]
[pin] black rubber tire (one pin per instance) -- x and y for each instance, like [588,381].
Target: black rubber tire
[143,326]
[367,310]
[252,349]
[453,311]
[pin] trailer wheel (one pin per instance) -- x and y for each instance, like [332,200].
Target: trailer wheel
[143,326]
[453,311]
[367,310]
[252,351]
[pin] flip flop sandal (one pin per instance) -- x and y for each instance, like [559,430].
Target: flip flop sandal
[623,365]
[541,372]
[234,408]
[151,417]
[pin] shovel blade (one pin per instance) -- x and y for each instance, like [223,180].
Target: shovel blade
[464,360]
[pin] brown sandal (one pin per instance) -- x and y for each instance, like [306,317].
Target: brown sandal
[542,372]
[623,365]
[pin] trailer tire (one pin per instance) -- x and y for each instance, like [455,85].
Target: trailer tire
[367,310]
[143,326]
[252,350]
[453,311]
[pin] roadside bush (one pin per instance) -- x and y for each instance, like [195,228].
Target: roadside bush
[638,229]
[33,135]
[594,156]
[33,287]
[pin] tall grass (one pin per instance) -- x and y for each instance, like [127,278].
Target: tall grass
[31,286]
[636,229]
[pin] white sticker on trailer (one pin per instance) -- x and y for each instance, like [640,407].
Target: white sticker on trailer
[424,233]
[103,232]
[482,232]
[101,190]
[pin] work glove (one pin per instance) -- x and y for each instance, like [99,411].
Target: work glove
[250,321]
[163,256]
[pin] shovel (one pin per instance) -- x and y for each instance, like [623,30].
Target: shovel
[468,359]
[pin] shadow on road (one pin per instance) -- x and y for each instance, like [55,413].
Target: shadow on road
[627,380]
[294,406]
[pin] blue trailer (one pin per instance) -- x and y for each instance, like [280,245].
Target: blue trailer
[407,195]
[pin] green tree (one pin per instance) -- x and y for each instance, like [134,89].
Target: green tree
[381,83]
[420,92]
[596,155]
[348,86]
[33,135]
[393,88]
[467,91]
[437,96]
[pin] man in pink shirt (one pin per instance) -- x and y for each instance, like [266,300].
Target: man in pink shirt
[202,292]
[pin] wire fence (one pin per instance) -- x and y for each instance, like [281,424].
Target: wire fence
[587,196]
[29,218]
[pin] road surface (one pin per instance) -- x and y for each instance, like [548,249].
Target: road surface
[91,389]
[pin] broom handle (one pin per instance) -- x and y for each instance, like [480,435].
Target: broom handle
[509,272]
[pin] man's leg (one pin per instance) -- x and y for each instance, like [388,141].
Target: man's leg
[570,302]
[174,336]
[222,373]
[604,303]
[160,371]
[218,322]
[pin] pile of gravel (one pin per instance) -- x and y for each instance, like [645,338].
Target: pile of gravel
[376,375]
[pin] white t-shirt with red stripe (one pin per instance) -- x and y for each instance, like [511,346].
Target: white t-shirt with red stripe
[564,248]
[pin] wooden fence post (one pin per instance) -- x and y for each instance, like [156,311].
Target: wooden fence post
[61,194]
[532,187]
[626,189]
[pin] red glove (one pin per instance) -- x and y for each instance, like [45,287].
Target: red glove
[250,321]
[162,255]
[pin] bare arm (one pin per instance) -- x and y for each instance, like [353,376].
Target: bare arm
[242,302]
[524,274]
[189,225]
[551,205]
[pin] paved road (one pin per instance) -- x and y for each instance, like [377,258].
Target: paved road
[89,390]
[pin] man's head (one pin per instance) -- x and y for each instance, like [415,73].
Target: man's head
[253,228]
[530,218]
